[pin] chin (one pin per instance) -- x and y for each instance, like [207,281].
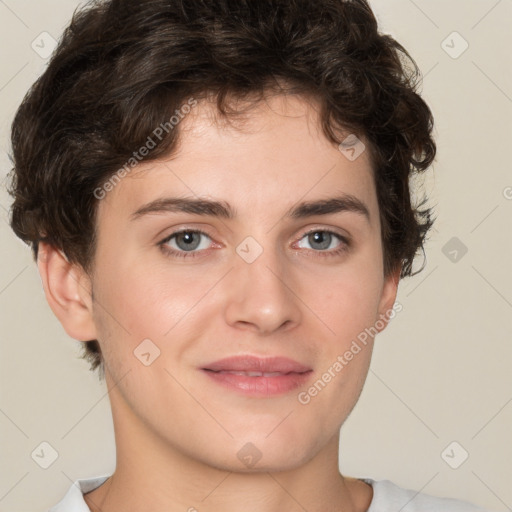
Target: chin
[257,454]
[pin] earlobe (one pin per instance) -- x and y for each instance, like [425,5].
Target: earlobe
[67,290]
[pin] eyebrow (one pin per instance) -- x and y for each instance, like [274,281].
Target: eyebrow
[222,209]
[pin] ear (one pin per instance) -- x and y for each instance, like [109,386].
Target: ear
[388,297]
[68,291]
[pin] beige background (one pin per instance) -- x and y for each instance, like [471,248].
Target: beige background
[440,372]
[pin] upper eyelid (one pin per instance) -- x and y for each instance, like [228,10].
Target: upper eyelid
[328,230]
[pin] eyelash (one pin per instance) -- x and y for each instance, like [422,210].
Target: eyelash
[345,244]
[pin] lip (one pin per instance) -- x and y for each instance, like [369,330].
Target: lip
[256,376]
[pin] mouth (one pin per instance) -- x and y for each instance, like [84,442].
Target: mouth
[255,376]
[249,374]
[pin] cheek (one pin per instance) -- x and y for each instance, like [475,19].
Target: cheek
[147,302]
[350,309]
[350,303]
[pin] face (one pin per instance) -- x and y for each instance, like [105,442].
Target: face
[258,275]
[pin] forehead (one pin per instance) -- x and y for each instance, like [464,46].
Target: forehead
[272,156]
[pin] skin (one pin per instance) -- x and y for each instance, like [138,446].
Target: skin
[177,432]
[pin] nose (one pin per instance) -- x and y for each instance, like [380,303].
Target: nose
[261,296]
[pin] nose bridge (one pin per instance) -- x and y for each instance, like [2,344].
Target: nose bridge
[261,287]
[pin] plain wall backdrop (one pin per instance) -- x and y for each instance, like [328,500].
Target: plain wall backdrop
[441,370]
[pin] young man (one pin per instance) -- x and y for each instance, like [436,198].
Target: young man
[217,197]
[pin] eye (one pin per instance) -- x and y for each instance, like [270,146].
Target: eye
[185,241]
[190,243]
[322,239]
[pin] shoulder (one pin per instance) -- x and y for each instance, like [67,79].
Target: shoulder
[74,501]
[389,496]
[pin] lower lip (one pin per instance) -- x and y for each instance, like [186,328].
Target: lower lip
[260,386]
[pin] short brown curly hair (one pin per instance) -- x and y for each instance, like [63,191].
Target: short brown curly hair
[122,67]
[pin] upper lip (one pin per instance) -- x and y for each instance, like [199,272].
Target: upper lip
[248,363]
